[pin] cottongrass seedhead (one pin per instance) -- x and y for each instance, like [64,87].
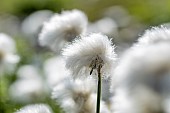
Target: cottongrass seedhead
[87,53]
[35,108]
[8,57]
[55,70]
[28,72]
[26,91]
[141,100]
[155,35]
[143,74]
[29,87]
[75,96]
[32,24]
[149,61]
[62,28]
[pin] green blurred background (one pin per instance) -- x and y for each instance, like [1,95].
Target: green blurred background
[152,12]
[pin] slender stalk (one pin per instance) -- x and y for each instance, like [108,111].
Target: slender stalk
[98,90]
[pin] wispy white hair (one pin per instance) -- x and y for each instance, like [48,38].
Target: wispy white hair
[35,108]
[84,50]
[154,36]
[62,28]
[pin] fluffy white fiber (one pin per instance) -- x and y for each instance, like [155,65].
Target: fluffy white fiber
[85,50]
[8,57]
[143,74]
[75,96]
[62,28]
[155,35]
[35,108]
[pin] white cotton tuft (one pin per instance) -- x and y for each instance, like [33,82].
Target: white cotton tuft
[148,61]
[26,91]
[32,24]
[28,72]
[7,44]
[8,57]
[29,87]
[143,74]
[75,96]
[155,35]
[62,28]
[140,100]
[84,52]
[55,70]
[35,108]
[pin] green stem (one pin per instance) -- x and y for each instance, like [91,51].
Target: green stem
[98,90]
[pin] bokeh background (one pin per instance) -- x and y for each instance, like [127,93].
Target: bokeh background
[132,17]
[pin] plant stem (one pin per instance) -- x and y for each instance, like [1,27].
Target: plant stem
[98,90]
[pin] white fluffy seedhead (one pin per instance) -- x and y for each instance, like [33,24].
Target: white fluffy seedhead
[35,108]
[7,44]
[144,74]
[8,57]
[87,51]
[75,96]
[142,100]
[28,72]
[62,28]
[143,62]
[27,90]
[154,36]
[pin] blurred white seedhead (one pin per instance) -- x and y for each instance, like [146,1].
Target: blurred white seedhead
[154,36]
[106,26]
[8,57]
[55,70]
[85,55]
[62,28]
[29,86]
[35,108]
[144,74]
[28,72]
[26,91]
[140,100]
[77,96]
[32,24]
